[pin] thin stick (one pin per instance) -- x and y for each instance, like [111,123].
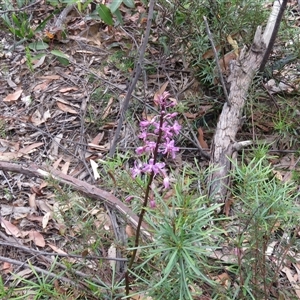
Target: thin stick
[217,60]
[38,252]
[138,70]
[275,28]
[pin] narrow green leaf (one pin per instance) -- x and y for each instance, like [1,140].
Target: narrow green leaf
[60,54]
[63,61]
[105,14]
[115,4]
[129,3]
[119,16]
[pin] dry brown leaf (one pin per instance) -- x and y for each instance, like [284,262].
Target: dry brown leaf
[39,62]
[26,273]
[43,206]
[10,229]
[226,59]
[35,218]
[13,97]
[42,86]
[66,108]
[37,238]
[291,279]
[129,231]
[233,44]
[31,201]
[6,156]
[68,89]
[36,190]
[30,148]
[103,221]
[107,108]
[57,162]
[65,167]
[6,267]
[46,219]
[51,77]
[223,279]
[56,249]
[210,53]
[98,138]
[201,140]
[37,119]
[161,90]
[191,116]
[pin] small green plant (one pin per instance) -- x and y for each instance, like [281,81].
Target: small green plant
[121,61]
[265,207]
[40,287]
[29,59]
[184,238]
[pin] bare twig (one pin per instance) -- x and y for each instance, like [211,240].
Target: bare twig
[38,252]
[138,70]
[217,60]
[269,37]
[51,274]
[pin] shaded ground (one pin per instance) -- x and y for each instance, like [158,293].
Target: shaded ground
[64,116]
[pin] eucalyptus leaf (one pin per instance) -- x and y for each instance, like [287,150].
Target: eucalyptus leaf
[105,14]
[119,16]
[129,3]
[38,46]
[115,4]
[58,53]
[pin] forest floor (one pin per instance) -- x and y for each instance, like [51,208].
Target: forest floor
[60,107]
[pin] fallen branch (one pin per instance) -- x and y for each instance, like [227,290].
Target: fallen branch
[33,170]
[224,147]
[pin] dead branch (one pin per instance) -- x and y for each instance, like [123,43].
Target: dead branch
[224,146]
[33,170]
[137,70]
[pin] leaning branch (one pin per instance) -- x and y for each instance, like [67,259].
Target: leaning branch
[138,70]
[89,190]
[224,146]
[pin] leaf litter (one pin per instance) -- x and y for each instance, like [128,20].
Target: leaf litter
[68,119]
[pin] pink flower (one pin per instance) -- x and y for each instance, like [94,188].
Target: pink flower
[165,128]
[140,150]
[151,167]
[150,146]
[152,204]
[161,99]
[143,135]
[169,148]
[171,116]
[136,170]
[166,182]
[129,198]
[176,127]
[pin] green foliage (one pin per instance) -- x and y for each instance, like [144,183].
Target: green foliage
[264,207]
[236,18]
[41,286]
[184,236]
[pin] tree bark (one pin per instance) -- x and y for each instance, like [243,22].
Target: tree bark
[224,146]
